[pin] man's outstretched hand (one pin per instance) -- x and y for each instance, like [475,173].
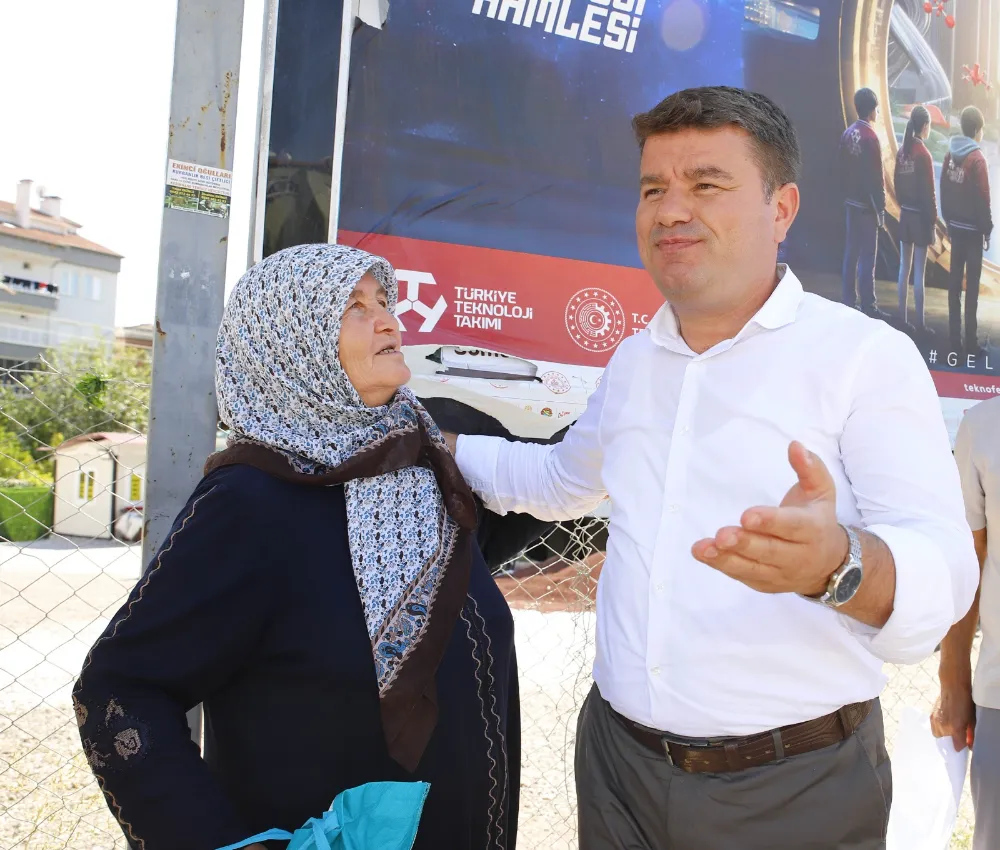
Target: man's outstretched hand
[792,548]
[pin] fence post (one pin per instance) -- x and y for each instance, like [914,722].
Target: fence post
[190,287]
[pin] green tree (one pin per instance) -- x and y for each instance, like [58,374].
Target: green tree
[77,389]
[16,464]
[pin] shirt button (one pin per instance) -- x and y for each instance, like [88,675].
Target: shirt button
[655,671]
[673,508]
[685,431]
[659,588]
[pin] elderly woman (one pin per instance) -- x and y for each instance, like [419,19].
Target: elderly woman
[321,594]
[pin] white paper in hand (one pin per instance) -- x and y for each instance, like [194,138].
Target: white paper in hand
[927,779]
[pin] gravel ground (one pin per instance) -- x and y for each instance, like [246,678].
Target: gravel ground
[55,599]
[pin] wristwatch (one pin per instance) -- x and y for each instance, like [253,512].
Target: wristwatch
[844,583]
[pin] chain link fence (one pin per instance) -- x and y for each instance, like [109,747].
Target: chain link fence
[72,464]
[72,459]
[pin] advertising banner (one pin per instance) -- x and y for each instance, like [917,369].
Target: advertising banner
[489,156]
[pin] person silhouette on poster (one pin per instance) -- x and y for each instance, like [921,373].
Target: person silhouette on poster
[965,204]
[914,181]
[860,157]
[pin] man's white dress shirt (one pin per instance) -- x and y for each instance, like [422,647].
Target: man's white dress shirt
[683,444]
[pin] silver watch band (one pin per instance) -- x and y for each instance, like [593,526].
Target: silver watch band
[852,563]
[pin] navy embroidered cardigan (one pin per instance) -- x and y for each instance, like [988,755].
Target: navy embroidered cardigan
[251,608]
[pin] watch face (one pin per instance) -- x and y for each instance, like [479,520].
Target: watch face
[850,581]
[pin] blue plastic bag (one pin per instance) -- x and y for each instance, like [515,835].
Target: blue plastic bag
[376,816]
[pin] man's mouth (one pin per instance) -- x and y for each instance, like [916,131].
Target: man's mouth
[676,243]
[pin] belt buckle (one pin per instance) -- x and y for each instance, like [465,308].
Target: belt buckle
[666,752]
[666,741]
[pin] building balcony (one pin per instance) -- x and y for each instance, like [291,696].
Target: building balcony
[21,292]
[27,341]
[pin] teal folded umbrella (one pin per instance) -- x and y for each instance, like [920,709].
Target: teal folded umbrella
[376,816]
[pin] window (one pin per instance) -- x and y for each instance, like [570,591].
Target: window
[135,488]
[87,282]
[85,491]
[95,292]
[70,284]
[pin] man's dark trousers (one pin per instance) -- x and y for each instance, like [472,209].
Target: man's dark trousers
[631,798]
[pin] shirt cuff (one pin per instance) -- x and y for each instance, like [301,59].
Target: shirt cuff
[923,608]
[477,457]
[976,520]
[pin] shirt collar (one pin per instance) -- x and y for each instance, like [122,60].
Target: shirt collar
[779,310]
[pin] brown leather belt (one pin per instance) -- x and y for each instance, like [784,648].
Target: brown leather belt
[724,755]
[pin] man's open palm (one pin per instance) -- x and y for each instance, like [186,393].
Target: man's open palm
[792,548]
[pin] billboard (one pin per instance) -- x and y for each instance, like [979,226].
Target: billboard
[488,155]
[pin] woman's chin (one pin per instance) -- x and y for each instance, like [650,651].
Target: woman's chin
[387,380]
[403,373]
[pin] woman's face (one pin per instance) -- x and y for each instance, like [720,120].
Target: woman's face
[370,344]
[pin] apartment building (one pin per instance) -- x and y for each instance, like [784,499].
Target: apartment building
[55,286]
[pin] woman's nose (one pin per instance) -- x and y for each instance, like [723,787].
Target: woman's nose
[386,321]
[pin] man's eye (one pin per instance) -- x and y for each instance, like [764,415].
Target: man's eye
[650,192]
[702,186]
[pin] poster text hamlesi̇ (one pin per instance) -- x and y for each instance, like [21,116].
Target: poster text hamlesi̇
[606,23]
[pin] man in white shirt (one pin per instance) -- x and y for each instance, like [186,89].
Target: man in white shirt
[785,516]
[969,710]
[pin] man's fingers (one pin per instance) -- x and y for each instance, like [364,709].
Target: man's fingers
[763,548]
[797,525]
[756,575]
[937,730]
[814,477]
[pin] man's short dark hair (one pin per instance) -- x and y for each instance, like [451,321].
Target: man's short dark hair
[865,102]
[972,121]
[775,143]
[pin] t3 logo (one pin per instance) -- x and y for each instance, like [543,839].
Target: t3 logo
[412,302]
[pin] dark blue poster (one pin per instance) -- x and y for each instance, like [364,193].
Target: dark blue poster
[489,156]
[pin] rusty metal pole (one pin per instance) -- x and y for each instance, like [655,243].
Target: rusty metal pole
[192,271]
[190,286]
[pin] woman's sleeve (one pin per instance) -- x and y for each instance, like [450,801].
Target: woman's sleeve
[191,623]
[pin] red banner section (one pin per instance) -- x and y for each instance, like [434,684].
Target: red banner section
[525,305]
[957,385]
[542,308]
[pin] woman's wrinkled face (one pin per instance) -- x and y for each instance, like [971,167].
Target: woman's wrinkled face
[370,344]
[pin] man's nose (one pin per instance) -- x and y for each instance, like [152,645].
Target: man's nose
[674,208]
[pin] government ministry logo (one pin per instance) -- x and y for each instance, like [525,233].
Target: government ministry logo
[595,320]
